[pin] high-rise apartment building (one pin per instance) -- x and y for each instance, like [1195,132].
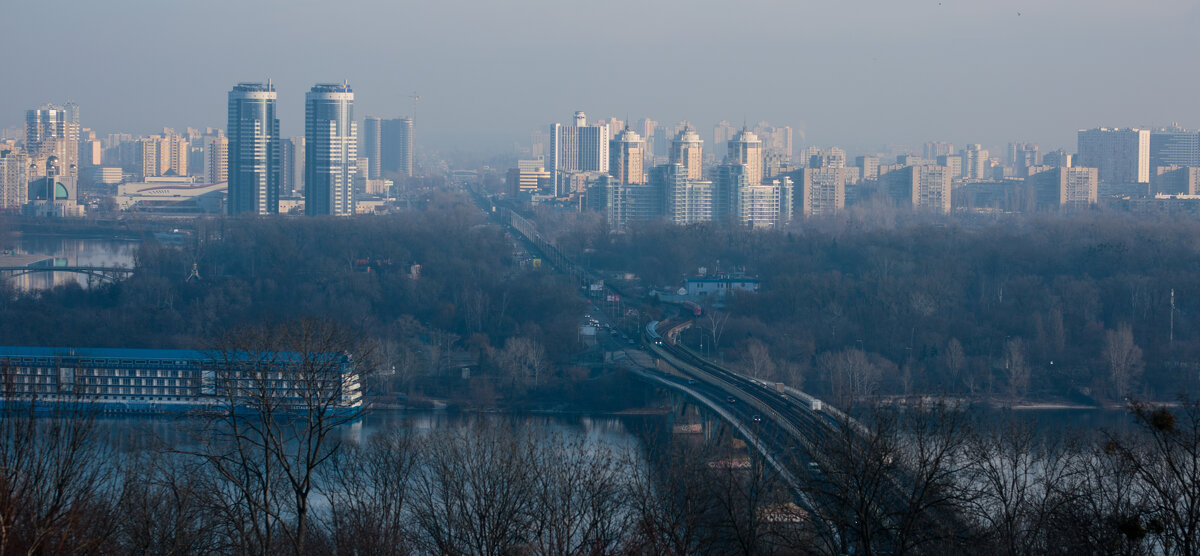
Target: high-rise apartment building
[727,180]
[539,144]
[777,140]
[331,150]
[369,146]
[722,133]
[688,201]
[1176,180]
[216,158]
[823,192]
[1174,146]
[631,202]
[934,149]
[925,187]
[1118,155]
[577,148]
[527,178]
[1059,158]
[14,179]
[766,205]
[163,155]
[954,163]
[253,153]
[687,149]
[1022,157]
[815,157]
[975,162]
[90,150]
[396,147]
[869,165]
[291,182]
[53,131]
[1061,187]
[628,153]
[746,148]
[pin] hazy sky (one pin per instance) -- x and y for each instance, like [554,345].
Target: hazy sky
[860,74]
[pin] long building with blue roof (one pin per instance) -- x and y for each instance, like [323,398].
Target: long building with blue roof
[174,380]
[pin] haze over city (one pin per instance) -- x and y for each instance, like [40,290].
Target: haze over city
[613,277]
[856,74]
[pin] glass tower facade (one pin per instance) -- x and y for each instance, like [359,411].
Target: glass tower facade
[254,151]
[331,151]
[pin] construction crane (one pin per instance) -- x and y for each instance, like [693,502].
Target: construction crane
[414,98]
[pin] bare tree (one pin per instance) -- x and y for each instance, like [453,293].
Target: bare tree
[524,359]
[955,361]
[1165,462]
[56,489]
[761,366]
[714,322]
[577,497]
[163,507]
[1016,368]
[851,374]
[473,494]
[284,390]
[888,482]
[671,504]
[368,490]
[1017,481]
[1124,359]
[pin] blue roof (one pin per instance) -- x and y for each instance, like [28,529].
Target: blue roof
[126,353]
[164,354]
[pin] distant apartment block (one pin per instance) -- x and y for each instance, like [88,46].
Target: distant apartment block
[1176,180]
[687,149]
[577,148]
[628,153]
[163,155]
[14,179]
[975,163]
[1058,187]
[767,205]
[1118,155]
[868,165]
[216,159]
[925,187]
[331,150]
[253,153]
[1174,146]
[527,178]
[688,201]
[746,148]
[822,192]
[396,147]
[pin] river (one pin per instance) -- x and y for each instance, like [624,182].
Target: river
[619,433]
[68,251]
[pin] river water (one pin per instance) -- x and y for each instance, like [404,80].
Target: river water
[616,433]
[68,251]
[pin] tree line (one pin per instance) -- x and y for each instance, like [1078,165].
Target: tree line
[1072,306]
[925,479]
[438,288]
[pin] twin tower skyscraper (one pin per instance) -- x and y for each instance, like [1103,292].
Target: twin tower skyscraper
[255,156]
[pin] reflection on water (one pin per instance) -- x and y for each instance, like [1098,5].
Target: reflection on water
[132,434]
[68,251]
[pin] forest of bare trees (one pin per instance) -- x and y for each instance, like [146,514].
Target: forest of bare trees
[1071,307]
[920,480]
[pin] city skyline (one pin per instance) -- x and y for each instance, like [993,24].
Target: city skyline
[1034,73]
